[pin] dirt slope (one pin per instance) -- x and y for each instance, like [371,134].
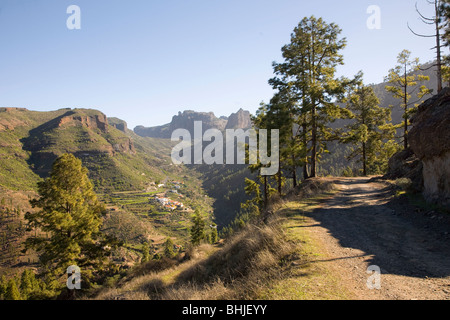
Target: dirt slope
[362,225]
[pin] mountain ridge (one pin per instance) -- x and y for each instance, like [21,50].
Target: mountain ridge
[185,120]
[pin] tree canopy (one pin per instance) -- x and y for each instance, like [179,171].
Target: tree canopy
[69,221]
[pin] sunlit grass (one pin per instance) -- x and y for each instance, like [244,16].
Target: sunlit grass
[307,279]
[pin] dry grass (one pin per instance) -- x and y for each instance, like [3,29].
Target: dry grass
[252,263]
[245,265]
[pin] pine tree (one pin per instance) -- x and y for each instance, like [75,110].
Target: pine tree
[214,235]
[198,228]
[12,292]
[402,79]
[444,13]
[265,118]
[71,215]
[308,74]
[369,127]
[3,287]
[254,205]
[281,116]
[145,252]
[26,283]
[168,248]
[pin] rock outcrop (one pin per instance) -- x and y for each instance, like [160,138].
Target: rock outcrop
[239,120]
[186,119]
[118,124]
[11,122]
[430,141]
[405,164]
[91,121]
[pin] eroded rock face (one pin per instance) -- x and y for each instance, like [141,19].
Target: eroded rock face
[118,124]
[97,121]
[239,120]
[186,119]
[430,141]
[124,145]
[405,164]
[436,173]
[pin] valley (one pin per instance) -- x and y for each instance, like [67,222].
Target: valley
[248,169]
[127,172]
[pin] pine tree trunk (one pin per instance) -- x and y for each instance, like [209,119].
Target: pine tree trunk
[265,192]
[405,136]
[279,182]
[438,48]
[305,143]
[405,101]
[313,142]
[364,159]
[294,173]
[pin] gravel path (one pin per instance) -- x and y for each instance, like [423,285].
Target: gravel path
[363,225]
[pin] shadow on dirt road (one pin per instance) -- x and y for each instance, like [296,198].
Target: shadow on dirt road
[400,240]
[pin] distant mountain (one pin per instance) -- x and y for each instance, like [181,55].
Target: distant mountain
[186,119]
[224,183]
[117,158]
[32,140]
[126,170]
[239,120]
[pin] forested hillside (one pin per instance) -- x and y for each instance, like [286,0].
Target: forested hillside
[328,179]
[126,170]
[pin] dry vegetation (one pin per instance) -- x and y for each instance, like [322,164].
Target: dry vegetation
[247,266]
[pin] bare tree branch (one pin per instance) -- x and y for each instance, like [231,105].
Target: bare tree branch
[420,35]
[423,17]
[426,22]
[425,69]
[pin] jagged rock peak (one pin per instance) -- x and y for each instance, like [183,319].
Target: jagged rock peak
[186,119]
[239,120]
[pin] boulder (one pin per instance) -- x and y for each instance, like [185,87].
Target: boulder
[429,139]
[405,164]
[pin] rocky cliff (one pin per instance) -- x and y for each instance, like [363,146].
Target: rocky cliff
[239,120]
[81,119]
[430,141]
[118,124]
[186,119]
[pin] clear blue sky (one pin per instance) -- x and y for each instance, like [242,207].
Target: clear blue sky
[145,60]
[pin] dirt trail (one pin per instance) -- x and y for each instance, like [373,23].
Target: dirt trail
[362,226]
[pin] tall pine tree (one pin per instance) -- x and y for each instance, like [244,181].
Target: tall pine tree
[369,127]
[309,75]
[403,84]
[71,215]
[198,228]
